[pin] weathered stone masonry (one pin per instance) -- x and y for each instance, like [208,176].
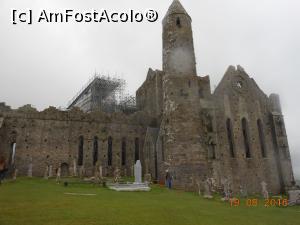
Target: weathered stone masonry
[52,137]
[236,133]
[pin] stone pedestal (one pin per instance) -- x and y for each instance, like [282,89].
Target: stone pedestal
[137,185]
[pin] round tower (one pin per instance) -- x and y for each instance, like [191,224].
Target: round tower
[185,151]
[178,46]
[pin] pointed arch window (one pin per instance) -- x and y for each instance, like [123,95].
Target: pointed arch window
[109,151]
[209,125]
[178,22]
[95,151]
[137,149]
[80,151]
[230,137]
[211,148]
[245,130]
[261,138]
[123,152]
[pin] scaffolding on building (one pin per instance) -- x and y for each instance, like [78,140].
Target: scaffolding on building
[104,93]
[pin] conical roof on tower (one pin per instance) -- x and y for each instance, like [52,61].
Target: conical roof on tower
[176,8]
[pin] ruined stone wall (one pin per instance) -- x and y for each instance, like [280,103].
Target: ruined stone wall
[52,137]
[238,97]
[2,136]
[237,133]
[4,107]
[149,95]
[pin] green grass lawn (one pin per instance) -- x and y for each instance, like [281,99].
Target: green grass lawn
[43,202]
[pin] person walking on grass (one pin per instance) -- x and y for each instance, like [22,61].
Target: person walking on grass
[168,179]
[3,168]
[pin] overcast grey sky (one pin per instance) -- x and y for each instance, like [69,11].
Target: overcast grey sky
[46,64]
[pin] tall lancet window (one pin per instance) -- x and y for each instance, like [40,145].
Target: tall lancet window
[178,22]
[230,137]
[123,152]
[95,151]
[245,130]
[137,149]
[80,151]
[261,138]
[109,151]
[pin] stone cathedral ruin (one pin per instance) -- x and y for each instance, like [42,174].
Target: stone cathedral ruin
[175,123]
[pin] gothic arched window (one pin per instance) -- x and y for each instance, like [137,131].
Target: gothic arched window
[230,137]
[209,124]
[137,149]
[123,152]
[211,148]
[109,151]
[261,138]
[80,151]
[245,130]
[178,22]
[95,151]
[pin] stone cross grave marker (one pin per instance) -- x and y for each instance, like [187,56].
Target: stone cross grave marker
[138,172]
